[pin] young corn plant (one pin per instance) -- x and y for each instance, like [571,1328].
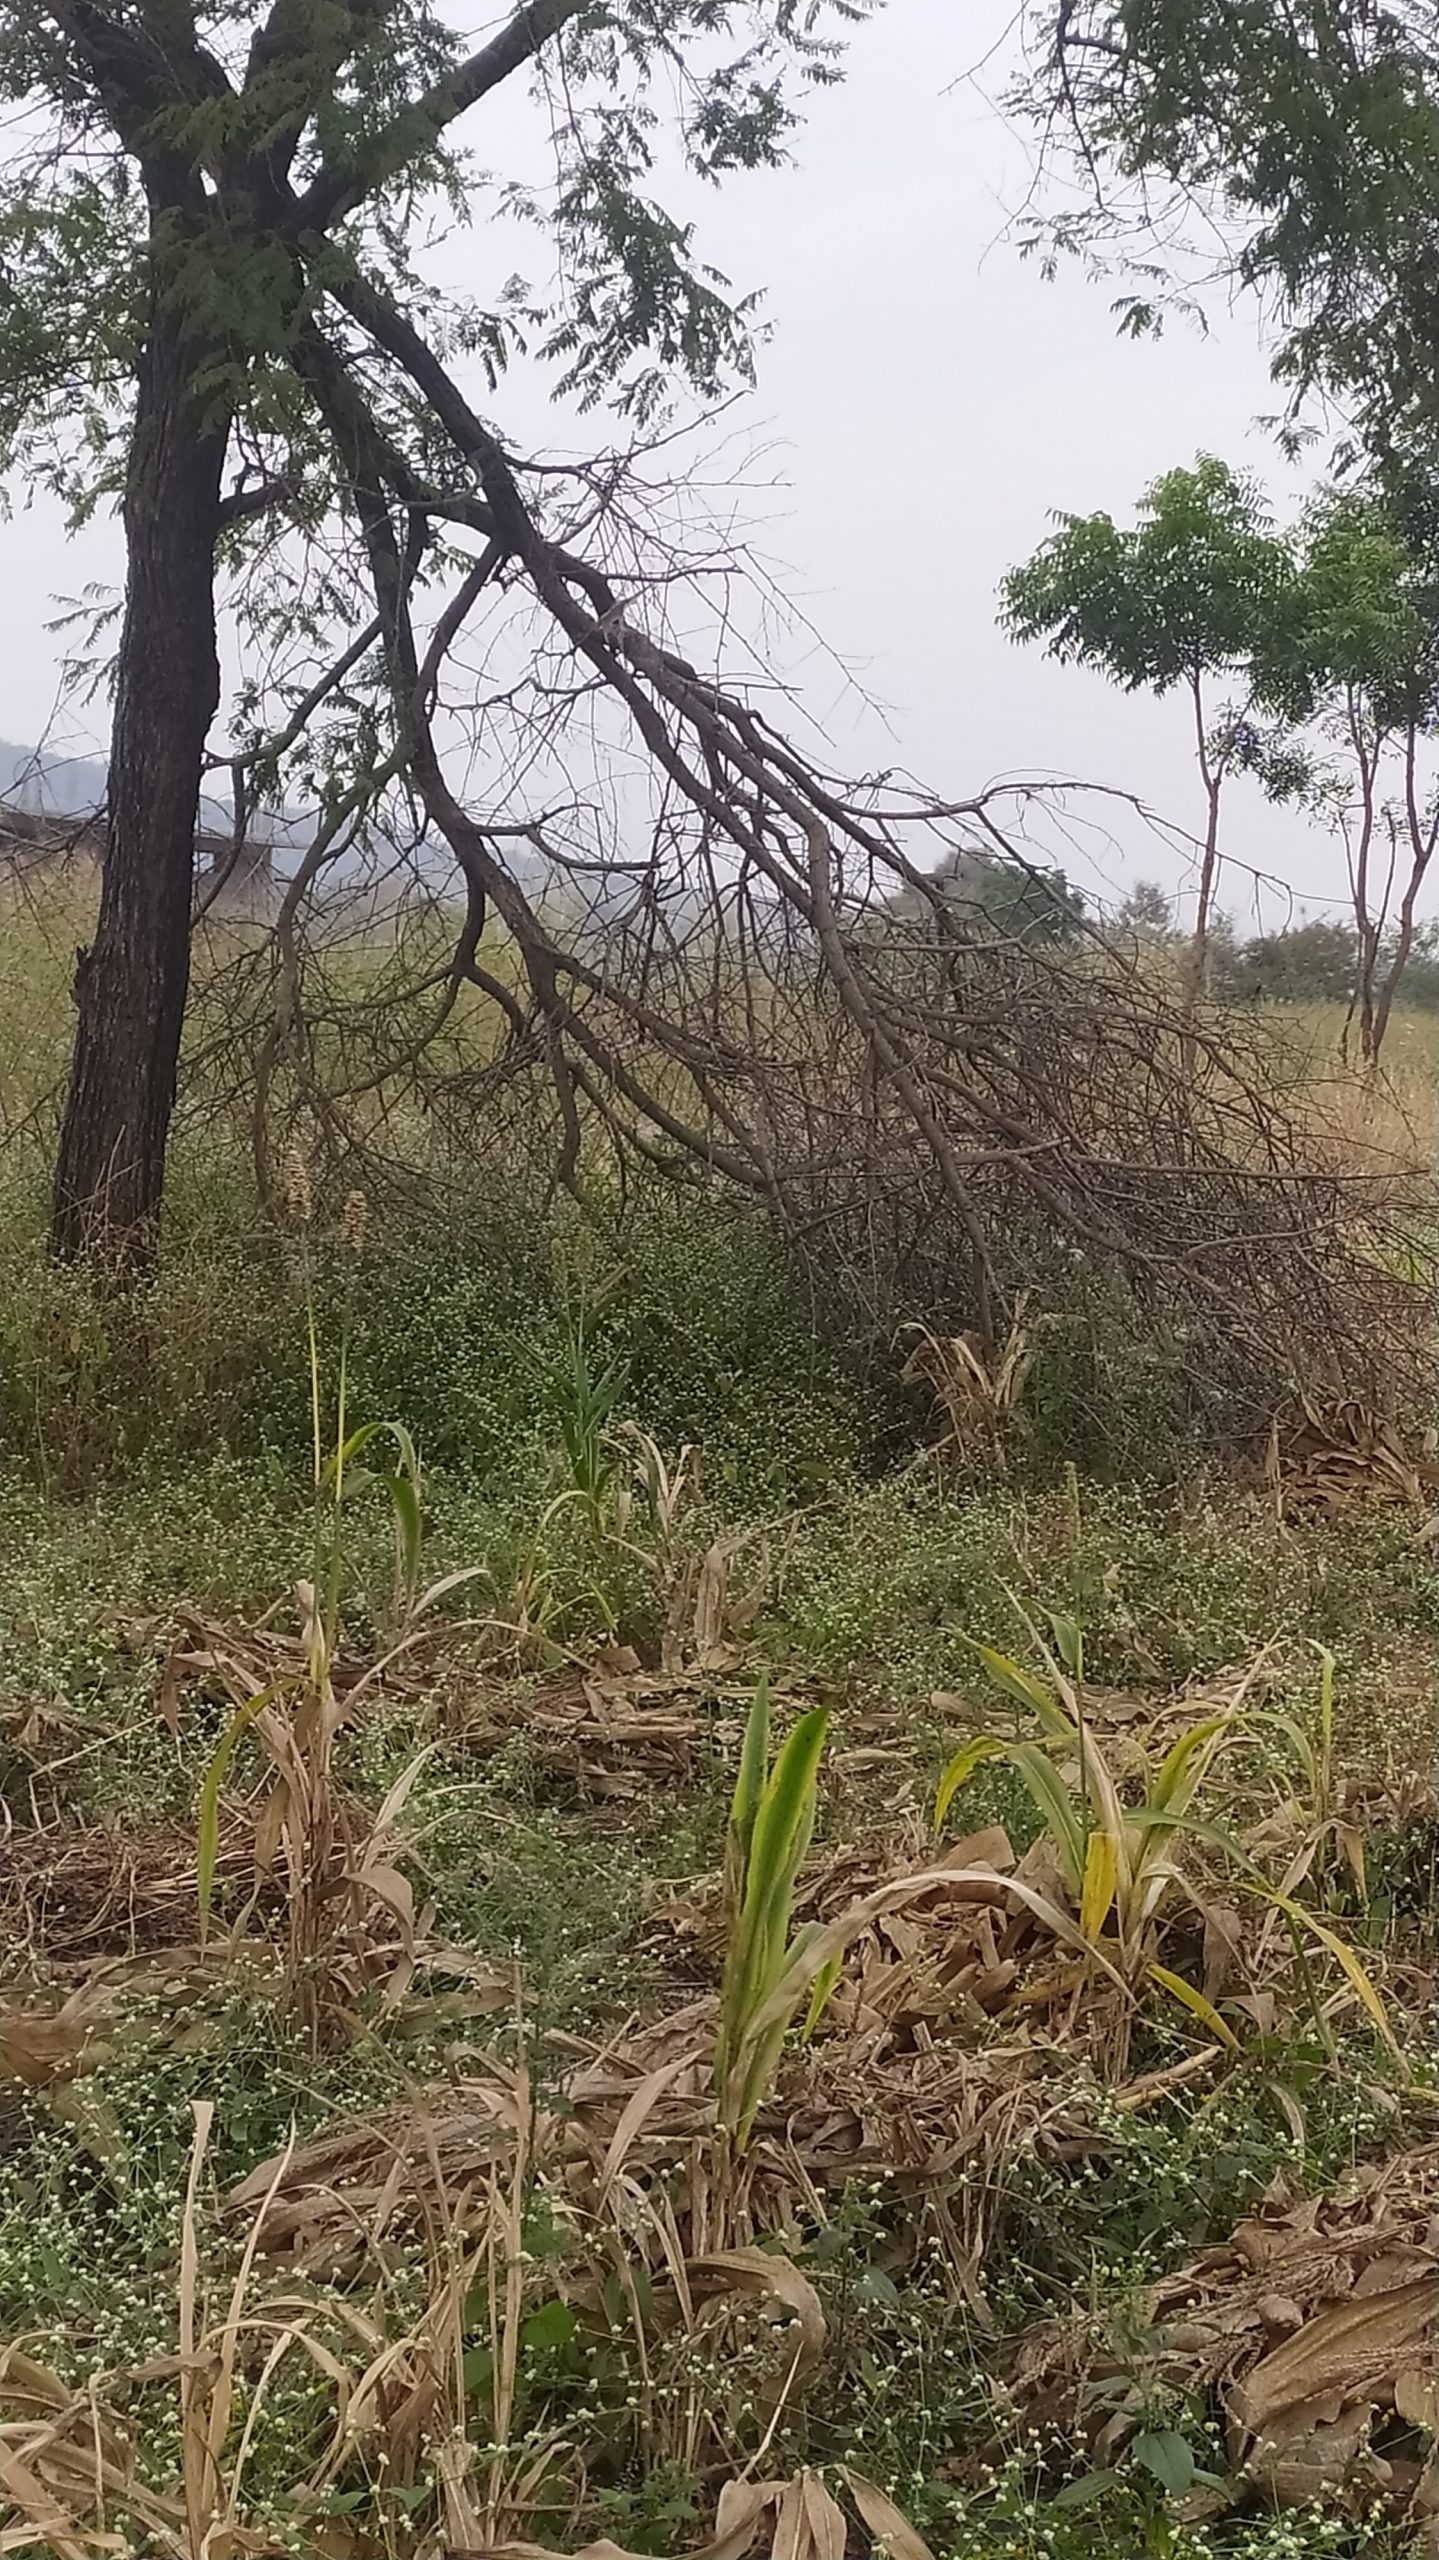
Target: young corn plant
[337,1446]
[601,1470]
[1313,1809]
[1119,1861]
[589,1390]
[770,1827]
[768,1973]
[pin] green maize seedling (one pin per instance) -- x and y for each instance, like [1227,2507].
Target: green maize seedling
[770,1827]
[1119,1861]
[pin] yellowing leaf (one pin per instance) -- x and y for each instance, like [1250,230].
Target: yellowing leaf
[1196,2002]
[1101,1874]
[1351,1841]
[1016,1682]
[1344,1956]
[209,1819]
[970,1756]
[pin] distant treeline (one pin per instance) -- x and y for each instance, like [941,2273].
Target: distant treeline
[1306,963]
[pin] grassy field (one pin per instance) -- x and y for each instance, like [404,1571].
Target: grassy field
[450,2101]
[1392,1117]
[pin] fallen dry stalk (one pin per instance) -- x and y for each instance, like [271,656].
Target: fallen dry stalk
[1314,2323]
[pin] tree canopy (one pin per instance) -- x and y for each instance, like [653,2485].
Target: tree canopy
[1360,617]
[1188,591]
[1293,149]
[1352,662]
[260,159]
[1191,591]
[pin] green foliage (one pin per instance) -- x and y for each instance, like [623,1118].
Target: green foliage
[1187,594]
[534,1880]
[1119,1858]
[588,1394]
[1119,1844]
[1190,590]
[299,1718]
[1306,963]
[1147,911]
[1333,635]
[770,1827]
[1106,2226]
[896,1582]
[1310,129]
[468,1329]
[458,1325]
[401,1483]
[1421,974]
[1019,902]
[1354,653]
[253,114]
[1363,614]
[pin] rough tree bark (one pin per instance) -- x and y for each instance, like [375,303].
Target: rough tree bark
[131,985]
[169,100]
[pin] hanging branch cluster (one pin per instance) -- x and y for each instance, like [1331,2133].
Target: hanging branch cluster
[1288,149]
[823,1026]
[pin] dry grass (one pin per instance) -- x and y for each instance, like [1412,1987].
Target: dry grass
[1384,1122]
[1316,2321]
[952,2050]
[977,1402]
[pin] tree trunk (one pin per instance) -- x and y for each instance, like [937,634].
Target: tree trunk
[1197,974]
[1423,834]
[131,985]
[1194,976]
[1366,927]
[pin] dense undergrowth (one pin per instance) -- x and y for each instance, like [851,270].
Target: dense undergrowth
[463,1323]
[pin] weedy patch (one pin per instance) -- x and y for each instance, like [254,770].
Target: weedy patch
[1117,1848]
[1315,2325]
[514,2066]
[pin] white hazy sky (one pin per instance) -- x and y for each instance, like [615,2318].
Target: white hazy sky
[924,401]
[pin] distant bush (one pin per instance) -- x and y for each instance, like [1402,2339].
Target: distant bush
[1306,964]
[1316,963]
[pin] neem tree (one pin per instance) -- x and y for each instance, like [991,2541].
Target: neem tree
[1290,149]
[1354,653]
[1183,600]
[1295,151]
[208,307]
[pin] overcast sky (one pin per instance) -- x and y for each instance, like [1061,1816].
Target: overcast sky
[926,400]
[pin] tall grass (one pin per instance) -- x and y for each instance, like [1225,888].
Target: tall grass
[1385,1120]
[723,1336]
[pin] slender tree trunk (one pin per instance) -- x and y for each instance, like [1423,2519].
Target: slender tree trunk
[1212,777]
[1204,903]
[1194,978]
[1423,835]
[131,985]
[1364,997]
[1367,753]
